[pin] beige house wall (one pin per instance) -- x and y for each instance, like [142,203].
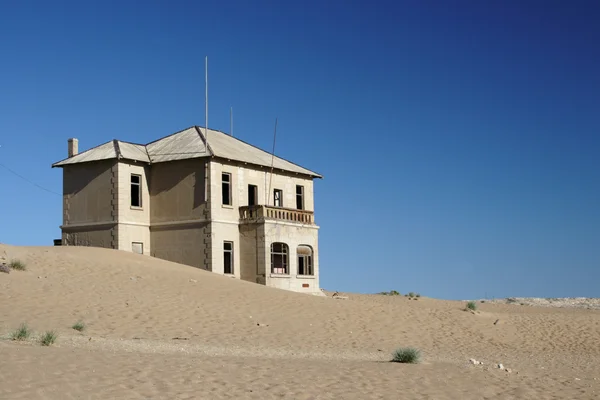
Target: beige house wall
[134,222]
[88,193]
[244,175]
[293,235]
[96,236]
[182,244]
[180,231]
[251,250]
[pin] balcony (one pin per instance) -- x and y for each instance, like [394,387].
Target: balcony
[262,213]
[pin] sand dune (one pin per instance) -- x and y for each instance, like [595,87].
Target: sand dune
[160,330]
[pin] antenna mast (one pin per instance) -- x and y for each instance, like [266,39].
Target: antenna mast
[272,162]
[206,101]
[231,121]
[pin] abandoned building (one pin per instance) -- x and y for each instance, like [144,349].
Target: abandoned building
[208,200]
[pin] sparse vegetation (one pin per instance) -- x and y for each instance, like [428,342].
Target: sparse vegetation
[390,293]
[79,326]
[411,294]
[17,265]
[471,305]
[22,333]
[418,295]
[48,338]
[407,355]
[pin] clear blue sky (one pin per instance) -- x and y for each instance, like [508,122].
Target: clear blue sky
[460,141]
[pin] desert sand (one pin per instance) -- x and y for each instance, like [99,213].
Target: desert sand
[160,330]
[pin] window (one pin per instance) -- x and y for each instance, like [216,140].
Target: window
[137,247]
[279,258]
[228,257]
[300,197]
[252,195]
[136,190]
[278,198]
[226,188]
[305,265]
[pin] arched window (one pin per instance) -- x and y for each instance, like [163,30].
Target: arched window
[305,262]
[279,258]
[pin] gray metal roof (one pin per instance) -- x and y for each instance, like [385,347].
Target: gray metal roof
[132,151]
[178,146]
[188,143]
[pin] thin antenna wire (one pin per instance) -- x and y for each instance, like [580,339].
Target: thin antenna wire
[206,101]
[272,162]
[28,181]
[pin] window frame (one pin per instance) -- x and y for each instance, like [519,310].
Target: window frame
[229,191]
[139,186]
[255,197]
[231,257]
[285,255]
[141,246]
[275,192]
[300,197]
[308,260]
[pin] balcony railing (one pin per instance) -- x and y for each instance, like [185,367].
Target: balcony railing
[260,213]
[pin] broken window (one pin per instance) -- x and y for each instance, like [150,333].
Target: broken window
[228,257]
[305,265]
[252,195]
[136,190]
[137,247]
[226,188]
[278,198]
[300,197]
[279,258]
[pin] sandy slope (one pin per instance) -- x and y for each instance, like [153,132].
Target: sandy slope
[306,347]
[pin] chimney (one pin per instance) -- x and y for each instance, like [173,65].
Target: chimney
[73,147]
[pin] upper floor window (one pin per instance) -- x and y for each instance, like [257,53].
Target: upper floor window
[279,258]
[136,190]
[252,195]
[278,198]
[226,188]
[300,197]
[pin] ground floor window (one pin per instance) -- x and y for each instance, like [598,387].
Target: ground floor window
[137,247]
[279,258]
[305,262]
[228,257]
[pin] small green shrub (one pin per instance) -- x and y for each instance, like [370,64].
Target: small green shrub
[17,264]
[407,355]
[411,294]
[418,295]
[390,293]
[472,306]
[79,326]
[48,338]
[22,333]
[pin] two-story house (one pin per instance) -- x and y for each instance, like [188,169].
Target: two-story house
[209,201]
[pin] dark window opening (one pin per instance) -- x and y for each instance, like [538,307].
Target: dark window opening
[226,188]
[252,195]
[278,198]
[300,197]
[279,258]
[136,190]
[305,262]
[228,257]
